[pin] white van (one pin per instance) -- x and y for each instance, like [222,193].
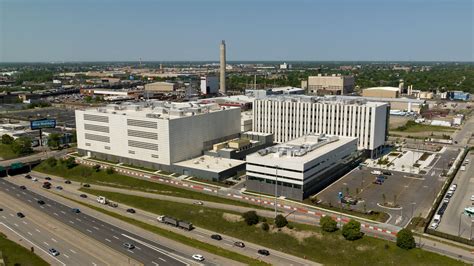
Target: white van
[437,218]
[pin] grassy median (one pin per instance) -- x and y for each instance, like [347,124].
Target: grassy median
[86,174]
[177,237]
[302,240]
[14,254]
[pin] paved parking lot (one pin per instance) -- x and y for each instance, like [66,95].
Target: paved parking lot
[453,221]
[63,116]
[413,193]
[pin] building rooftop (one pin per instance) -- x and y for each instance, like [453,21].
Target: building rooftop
[302,149]
[160,109]
[328,99]
[211,164]
[384,88]
[377,99]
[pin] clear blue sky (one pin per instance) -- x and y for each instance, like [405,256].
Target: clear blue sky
[115,30]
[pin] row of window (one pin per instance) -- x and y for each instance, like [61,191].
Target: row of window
[268,181]
[97,128]
[97,138]
[142,123]
[142,134]
[143,145]
[96,118]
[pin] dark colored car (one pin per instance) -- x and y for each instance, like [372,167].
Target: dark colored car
[239,244]
[378,182]
[40,202]
[27,176]
[46,186]
[22,187]
[1,209]
[216,237]
[387,173]
[67,182]
[263,252]
[86,185]
[75,210]
[19,214]
[59,188]
[47,178]
[131,210]
[83,196]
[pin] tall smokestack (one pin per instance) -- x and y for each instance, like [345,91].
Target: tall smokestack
[222,88]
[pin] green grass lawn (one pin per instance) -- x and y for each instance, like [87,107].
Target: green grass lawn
[412,127]
[14,254]
[302,240]
[6,152]
[85,174]
[178,237]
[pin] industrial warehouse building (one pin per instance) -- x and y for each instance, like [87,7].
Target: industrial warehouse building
[158,135]
[329,85]
[382,92]
[161,87]
[301,166]
[289,117]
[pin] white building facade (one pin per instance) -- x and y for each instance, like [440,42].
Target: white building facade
[154,134]
[209,85]
[292,117]
[301,166]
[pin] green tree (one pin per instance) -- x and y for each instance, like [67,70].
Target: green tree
[250,217]
[351,230]
[51,162]
[328,224]
[54,140]
[280,221]
[70,162]
[22,146]
[265,227]
[405,239]
[7,139]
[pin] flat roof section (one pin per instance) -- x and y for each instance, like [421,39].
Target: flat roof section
[210,164]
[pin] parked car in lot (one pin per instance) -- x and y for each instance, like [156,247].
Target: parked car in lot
[446,199]
[216,237]
[53,252]
[378,182]
[239,244]
[34,179]
[434,225]
[198,257]
[128,245]
[20,214]
[472,197]
[263,252]
[387,173]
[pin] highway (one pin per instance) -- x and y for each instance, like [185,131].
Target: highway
[145,251]
[276,257]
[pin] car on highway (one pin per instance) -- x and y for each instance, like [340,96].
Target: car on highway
[1,209]
[128,245]
[198,203]
[216,237]
[20,214]
[34,179]
[131,210]
[59,188]
[46,186]
[263,252]
[27,176]
[41,202]
[83,196]
[86,185]
[75,210]
[53,252]
[67,182]
[22,187]
[239,244]
[47,178]
[198,257]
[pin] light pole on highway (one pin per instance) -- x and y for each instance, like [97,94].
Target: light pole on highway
[459,227]
[412,208]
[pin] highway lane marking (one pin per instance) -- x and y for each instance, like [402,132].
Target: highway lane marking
[139,248]
[73,251]
[65,255]
[115,237]
[17,194]
[16,225]
[200,236]
[108,240]
[88,230]
[63,212]
[41,207]
[29,200]
[23,193]
[62,263]
[54,240]
[162,259]
[93,263]
[11,215]
[130,251]
[155,263]
[24,222]
[38,231]
[47,204]
[96,228]
[79,220]
[71,222]
[35,199]
[4,217]
[46,243]
[29,233]
[228,244]
[55,214]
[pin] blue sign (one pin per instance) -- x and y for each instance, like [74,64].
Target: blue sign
[43,123]
[340,195]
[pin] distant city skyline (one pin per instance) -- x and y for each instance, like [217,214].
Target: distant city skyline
[260,30]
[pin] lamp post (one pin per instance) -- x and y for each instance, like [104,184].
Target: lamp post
[276,188]
[459,228]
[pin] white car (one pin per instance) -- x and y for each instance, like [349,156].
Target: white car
[447,200]
[34,179]
[198,203]
[53,252]
[472,197]
[434,225]
[198,257]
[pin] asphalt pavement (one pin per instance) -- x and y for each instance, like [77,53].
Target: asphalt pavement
[145,251]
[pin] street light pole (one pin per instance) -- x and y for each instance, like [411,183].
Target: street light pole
[276,188]
[459,227]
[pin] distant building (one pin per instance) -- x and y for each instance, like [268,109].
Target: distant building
[458,95]
[238,148]
[285,66]
[289,117]
[300,167]
[381,92]
[161,87]
[262,93]
[209,85]
[329,85]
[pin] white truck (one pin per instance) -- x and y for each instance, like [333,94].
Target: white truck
[376,172]
[105,201]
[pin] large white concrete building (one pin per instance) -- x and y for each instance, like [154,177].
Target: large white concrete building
[301,166]
[154,134]
[289,117]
